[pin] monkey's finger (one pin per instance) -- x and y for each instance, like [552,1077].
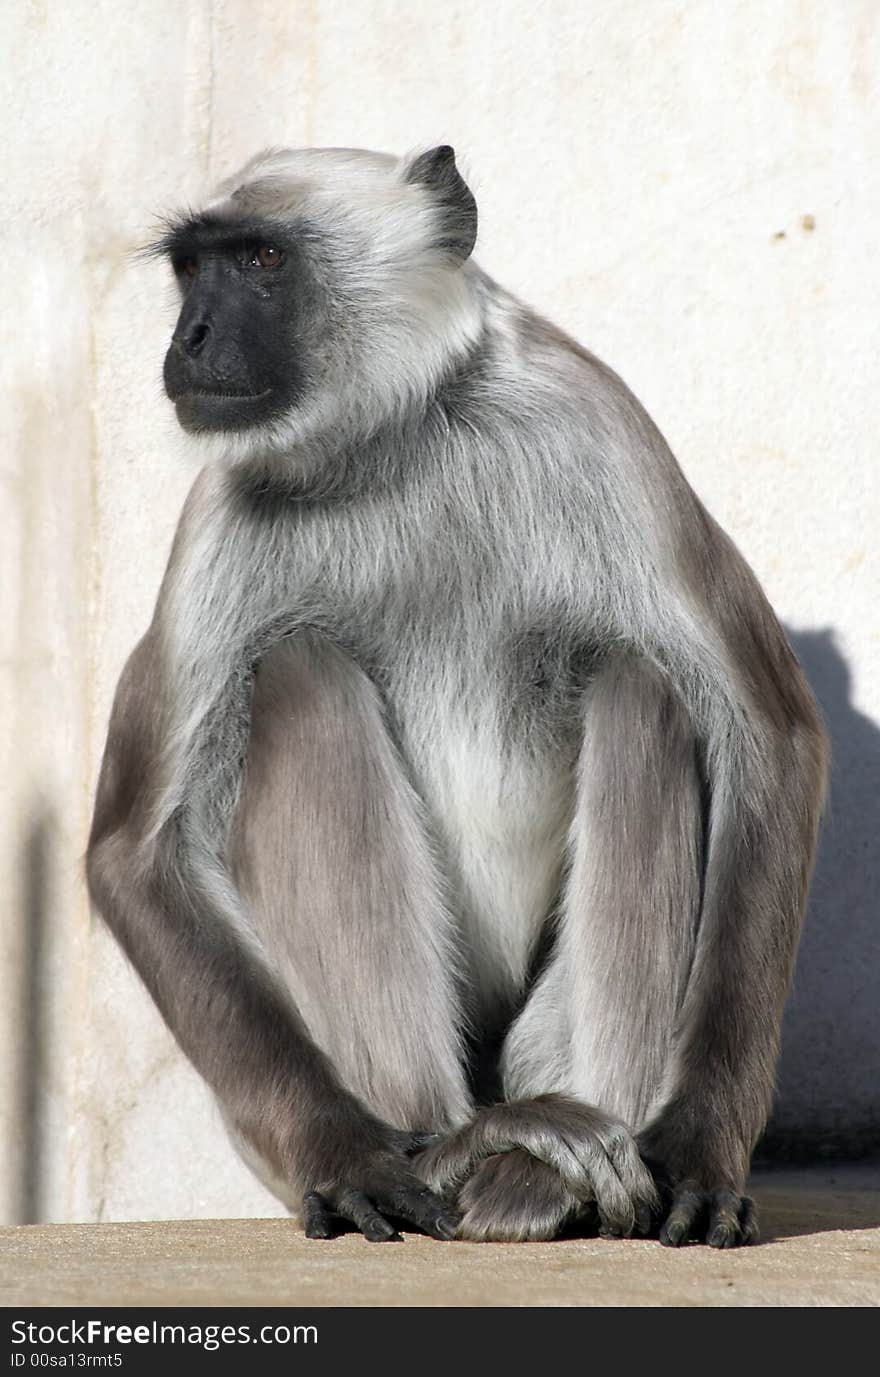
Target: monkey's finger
[453,1159]
[420,1206]
[317,1216]
[356,1207]
[418,1142]
[644,1222]
[748,1220]
[687,1206]
[724,1230]
[448,1161]
[732,1221]
[635,1176]
[617,1215]
[618,1182]
[647,1213]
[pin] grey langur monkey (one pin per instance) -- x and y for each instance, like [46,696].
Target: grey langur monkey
[459,805]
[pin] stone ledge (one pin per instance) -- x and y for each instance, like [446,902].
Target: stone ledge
[822,1248]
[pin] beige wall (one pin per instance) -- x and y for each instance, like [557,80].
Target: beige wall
[690,187]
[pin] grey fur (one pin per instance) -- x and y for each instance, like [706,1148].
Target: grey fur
[324,781]
[512,1197]
[591,1153]
[603,1013]
[509,669]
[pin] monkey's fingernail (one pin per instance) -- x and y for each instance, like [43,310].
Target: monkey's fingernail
[419,1141]
[643,1221]
[446,1225]
[672,1235]
[722,1236]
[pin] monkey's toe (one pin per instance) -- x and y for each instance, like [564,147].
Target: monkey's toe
[718,1217]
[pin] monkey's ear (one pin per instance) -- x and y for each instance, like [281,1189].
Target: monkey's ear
[436,170]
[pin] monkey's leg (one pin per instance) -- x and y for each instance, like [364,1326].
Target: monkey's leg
[598,1026]
[766,764]
[600,1022]
[633,898]
[677,941]
[169,899]
[331,855]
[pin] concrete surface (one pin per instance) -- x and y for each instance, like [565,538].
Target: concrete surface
[690,187]
[822,1249]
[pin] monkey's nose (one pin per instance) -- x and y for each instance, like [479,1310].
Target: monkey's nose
[192,340]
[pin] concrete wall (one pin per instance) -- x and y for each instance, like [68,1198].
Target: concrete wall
[689,186]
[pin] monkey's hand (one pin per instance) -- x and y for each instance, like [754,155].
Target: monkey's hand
[564,1158]
[701,1202]
[370,1183]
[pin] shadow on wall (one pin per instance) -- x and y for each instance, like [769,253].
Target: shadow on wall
[828,1100]
[36,864]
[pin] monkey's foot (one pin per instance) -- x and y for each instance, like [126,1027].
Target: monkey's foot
[514,1198]
[587,1157]
[718,1217]
[325,1217]
[379,1189]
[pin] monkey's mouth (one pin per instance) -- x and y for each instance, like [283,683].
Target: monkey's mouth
[219,394]
[201,409]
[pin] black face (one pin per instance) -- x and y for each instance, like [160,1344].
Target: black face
[232,362]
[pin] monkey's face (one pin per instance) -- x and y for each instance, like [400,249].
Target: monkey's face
[323,291]
[232,362]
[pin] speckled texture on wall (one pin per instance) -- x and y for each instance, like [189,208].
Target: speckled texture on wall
[690,188]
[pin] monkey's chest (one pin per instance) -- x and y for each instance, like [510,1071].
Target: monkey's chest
[501,815]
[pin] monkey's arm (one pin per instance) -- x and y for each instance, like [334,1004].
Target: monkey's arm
[231,1017]
[766,764]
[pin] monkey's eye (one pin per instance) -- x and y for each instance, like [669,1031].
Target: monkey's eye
[266,256]
[189,267]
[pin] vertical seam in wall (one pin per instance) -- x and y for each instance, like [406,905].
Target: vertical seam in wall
[81,1000]
[311,17]
[27,1155]
[209,139]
